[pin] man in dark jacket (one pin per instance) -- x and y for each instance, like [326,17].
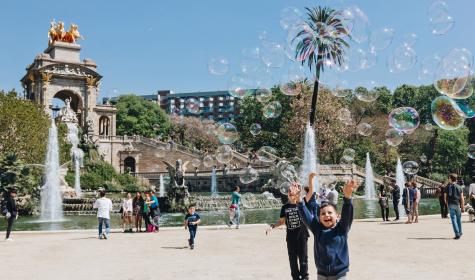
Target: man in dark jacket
[10,211]
[396,194]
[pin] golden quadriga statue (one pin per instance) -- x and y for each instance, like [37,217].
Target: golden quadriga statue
[57,33]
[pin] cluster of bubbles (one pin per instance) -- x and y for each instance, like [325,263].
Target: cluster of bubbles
[410,167]
[249,175]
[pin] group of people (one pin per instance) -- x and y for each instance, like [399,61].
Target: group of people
[329,228]
[411,197]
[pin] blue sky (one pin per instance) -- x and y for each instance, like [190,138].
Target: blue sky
[142,46]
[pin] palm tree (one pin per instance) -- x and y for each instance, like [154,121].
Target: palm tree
[323,42]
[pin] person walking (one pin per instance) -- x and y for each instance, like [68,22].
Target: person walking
[396,194]
[234,210]
[10,210]
[455,201]
[104,207]
[417,198]
[127,210]
[440,192]
[384,203]
[408,201]
[138,204]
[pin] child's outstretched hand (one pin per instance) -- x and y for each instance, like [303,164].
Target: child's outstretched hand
[349,188]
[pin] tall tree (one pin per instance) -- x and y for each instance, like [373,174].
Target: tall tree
[322,41]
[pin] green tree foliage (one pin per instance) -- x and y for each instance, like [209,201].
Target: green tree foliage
[137,116]
[194,132]
[23,128]
[451,151]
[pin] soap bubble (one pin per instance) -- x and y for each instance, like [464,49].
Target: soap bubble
[224,154]
[349,155]
[284,187]
[255,129]
[401,59]
[410,167]
[192,105]
[471,151]
[394,137]
[291,88]
[263,94]
[440,20]
[249,175]
[208,161]
[273,54]
[423,158]
[453,74]
[227,133]
[410,39]
[299,34]
[354,60]
[427,68]
[218,66]
[196,162]
[365,129]
[428,126]
[446,114]
[288,171]
[381,38]
[288,16]
[345,161]
[267,154]
[272,110]
[357,23]
[467,107]
[367,92]
[239,85]
[404,119]
[344,115]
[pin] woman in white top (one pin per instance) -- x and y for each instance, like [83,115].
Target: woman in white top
[417,198]
[127,211]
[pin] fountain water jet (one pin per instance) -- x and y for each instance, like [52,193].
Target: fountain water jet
[309,163]
[214,185]
[369,180]
[400,179]
[77,155]
[162,186]
[51,201]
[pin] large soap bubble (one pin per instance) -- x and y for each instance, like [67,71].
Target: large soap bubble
[263,94]
[218,66]
[446,113]
[289,16]
[272,110]
[196,162]
[410,167]
[344,115]
[227,133]
[249,175]
[471,151]
[240,85]
[273,54]
[208,161]
[427,68]
[224,154]
[402,58]
[290,88]
[453,74]
[267,154]
[404,119]
[349,155]
[381,38]
[368,92]
[357,23]
[394,137]
[255,129]
[440,20]
[467,107]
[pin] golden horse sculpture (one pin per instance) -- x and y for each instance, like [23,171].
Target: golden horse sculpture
[56,33]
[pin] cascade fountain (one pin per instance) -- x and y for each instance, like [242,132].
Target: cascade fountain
[77,155]
[214,185]
[369,180]
[309,163]
[51,201]
[162,186]
[400,179]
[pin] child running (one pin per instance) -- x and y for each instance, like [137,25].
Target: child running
[192,220]
[297,236]
[331,236]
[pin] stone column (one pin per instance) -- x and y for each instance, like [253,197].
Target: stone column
[46,79]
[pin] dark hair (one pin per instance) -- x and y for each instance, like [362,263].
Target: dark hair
[453,177]
[236,188]
[326,204]
[191,205]
[407,184]
[13,191]
[102,193]
[413,183]
[306,188]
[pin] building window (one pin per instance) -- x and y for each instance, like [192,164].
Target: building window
[231,103]
[182,106]
[211,99]
[104,126]
[201,104]
[202,99]
[221,104]
[172,101]
[221,98]
[182,100]
[231,98]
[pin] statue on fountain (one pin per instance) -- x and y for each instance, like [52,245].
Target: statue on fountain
[67,114]
[178,197]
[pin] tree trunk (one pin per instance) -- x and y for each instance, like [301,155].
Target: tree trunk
[313,110]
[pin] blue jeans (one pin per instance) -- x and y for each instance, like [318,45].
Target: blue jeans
[237,216]
[192,231]
[108,225]
[456,218]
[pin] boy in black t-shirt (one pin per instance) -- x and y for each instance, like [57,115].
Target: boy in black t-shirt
[297,235]
[192,221]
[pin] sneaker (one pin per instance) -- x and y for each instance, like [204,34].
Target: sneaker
[100,236]
[9,240]
[189,243]
[230,224]
[192,246]
[104,236]
[396,220]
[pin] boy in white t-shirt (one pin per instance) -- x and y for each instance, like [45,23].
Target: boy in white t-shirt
[104,207]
